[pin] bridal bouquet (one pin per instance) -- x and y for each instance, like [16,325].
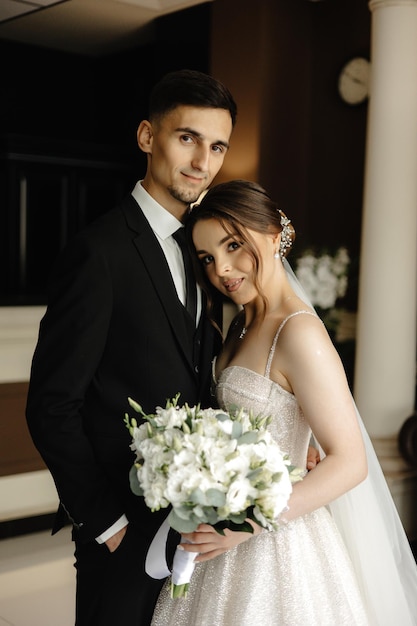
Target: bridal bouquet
[211,467]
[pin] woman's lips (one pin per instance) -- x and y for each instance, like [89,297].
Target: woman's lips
[233,285]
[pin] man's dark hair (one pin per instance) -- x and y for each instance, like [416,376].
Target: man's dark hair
[190,88]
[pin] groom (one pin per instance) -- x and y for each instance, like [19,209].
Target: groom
[116,326]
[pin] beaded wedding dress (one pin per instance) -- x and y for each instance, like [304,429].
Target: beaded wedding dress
[298,575]
[345,564]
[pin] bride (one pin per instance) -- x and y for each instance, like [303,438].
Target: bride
[340,555]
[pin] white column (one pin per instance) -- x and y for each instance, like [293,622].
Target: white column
[386,334]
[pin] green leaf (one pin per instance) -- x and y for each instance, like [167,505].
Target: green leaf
[198,496]
[134,482]
[181,525]
[220,526]
[248,437]
[185,510]
[238,518]
[243,527]
[255,473]
[215,497]
[211,515]
[222,417]
[237,430]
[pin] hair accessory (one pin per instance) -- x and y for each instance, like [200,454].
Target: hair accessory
[286,236]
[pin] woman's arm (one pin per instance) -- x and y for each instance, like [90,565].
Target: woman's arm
[312,367]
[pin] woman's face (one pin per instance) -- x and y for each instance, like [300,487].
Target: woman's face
[228,264]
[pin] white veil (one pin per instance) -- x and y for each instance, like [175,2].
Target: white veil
[375,538]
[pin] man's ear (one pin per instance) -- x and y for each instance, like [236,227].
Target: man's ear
[145,136]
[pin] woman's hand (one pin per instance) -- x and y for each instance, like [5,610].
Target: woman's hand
[209,543]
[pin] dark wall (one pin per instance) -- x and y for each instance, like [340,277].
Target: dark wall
[68,140]
[313,143]
[48,93]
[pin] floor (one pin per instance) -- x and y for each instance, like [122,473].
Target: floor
[37,580]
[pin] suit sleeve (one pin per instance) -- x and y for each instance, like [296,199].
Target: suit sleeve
[71,342]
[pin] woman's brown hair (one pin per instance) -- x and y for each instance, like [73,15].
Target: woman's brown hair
[239,206]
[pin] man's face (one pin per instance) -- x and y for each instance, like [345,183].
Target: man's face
[186,149]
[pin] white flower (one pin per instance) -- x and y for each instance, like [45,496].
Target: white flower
[324,277]
[240,494]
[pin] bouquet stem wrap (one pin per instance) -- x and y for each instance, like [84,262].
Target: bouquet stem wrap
[182,570]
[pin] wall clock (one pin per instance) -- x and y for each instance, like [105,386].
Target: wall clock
[353,81]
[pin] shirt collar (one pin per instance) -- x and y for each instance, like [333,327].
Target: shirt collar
[162,222]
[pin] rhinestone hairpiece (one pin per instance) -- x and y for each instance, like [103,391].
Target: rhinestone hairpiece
[286,235]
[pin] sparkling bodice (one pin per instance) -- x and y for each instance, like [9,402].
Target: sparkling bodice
[239,386]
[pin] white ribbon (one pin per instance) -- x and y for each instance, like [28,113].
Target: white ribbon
[155,563]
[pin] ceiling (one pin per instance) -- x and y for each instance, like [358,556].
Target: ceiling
[89,27]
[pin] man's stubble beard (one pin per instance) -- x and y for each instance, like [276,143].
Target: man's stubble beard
[183,195]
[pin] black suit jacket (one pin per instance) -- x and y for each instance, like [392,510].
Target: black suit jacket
[114,328]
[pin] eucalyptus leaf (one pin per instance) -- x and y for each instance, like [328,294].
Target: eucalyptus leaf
[248,437]
[134,482]
[198,496]
[215,497]
[181,525]
[237,430]
[199,513]
[238,518]
[184,511]
[222,417]
[211,515]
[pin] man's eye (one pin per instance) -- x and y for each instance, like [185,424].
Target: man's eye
[219,149]
[187,138]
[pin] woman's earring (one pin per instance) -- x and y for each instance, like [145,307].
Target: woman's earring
[277,254]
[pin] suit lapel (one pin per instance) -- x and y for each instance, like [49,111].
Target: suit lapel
[158,270]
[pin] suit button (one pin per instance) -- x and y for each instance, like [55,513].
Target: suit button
[196,369]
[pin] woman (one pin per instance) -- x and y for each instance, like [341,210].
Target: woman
[278,360]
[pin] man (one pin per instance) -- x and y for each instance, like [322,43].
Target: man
[115,327]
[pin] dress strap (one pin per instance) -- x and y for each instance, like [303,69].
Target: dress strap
[274,343]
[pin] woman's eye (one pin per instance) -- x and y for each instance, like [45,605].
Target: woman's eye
[206,260]
[234,245]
